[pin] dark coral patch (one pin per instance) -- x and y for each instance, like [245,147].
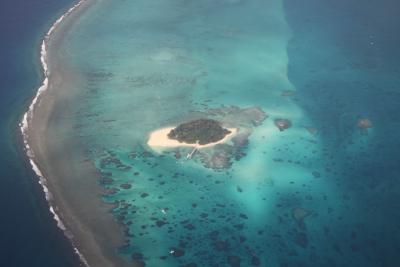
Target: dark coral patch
[160,223]
[234,261]
[126,186]
[301,240]
[283,124]
[176,252]
[221,245]
[137,256]
[192,264]
[255,261]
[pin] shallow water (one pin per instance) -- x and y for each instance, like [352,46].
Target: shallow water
[284,198]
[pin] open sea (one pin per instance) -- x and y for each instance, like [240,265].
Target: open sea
[28,233]
[323,192]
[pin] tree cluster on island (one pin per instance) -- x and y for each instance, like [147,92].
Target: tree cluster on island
[200,131]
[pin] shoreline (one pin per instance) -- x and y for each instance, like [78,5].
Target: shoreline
[27,118]
[159,139]
[76,230]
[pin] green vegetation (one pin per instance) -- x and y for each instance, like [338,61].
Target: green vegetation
[201,131]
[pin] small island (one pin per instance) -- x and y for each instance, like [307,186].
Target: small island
[196,133]
[201,131]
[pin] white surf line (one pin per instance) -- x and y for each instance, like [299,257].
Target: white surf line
[26,122]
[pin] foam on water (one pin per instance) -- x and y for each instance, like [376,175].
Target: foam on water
[27,118]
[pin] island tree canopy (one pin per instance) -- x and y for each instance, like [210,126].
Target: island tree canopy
[201,131]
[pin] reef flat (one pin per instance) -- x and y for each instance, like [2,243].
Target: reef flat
[275,191]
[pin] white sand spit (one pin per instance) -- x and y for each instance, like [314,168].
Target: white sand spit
[159,139]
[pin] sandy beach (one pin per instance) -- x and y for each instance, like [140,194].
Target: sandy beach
[159,139]
[71,178]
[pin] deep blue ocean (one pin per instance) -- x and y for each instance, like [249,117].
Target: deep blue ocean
[28,233]
[344,61]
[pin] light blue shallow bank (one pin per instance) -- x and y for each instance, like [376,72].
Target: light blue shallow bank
[143,65]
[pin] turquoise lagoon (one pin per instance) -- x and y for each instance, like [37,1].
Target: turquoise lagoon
[279,200]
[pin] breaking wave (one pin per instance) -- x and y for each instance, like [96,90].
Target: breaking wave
[26,122]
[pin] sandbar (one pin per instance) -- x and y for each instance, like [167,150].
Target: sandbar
[159,139]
